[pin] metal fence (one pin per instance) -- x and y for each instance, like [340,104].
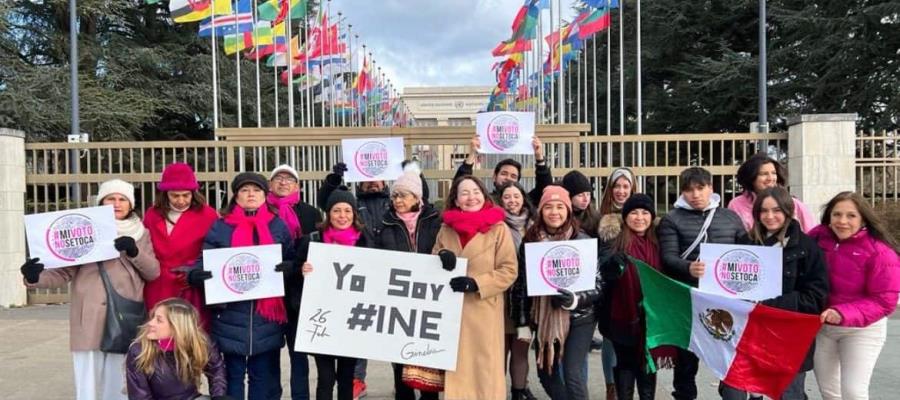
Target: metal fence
[877,165]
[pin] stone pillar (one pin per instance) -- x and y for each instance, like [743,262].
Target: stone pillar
[821,157]
[12,213]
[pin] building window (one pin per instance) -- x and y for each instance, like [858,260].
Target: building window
[460,122]
[426,122]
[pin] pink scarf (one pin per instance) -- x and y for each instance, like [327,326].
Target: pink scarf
[286,211]
[272,308]
[346,237]
[467,224]
[167,344]
[410,219]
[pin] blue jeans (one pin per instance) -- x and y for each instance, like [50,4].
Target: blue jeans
[570,381]
[299,375]
[795,391]
[608,358]
[263,370]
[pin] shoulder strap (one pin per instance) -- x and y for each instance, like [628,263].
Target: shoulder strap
[701,236]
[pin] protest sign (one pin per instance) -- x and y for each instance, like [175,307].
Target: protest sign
[570,264]
[380,305]
[243,273]
[740,271]
[505,132]
[72,237]
[375,159]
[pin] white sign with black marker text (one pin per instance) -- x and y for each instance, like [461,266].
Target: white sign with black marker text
[380,305]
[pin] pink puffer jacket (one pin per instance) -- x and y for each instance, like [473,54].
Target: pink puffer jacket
[864,274]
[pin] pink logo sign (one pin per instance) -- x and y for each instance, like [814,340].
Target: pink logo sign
[241,273]
[71,237]
[503,132]
[561,266]
[738,271]
[371,159]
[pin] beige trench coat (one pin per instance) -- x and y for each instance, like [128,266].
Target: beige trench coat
[87,298]
[492,263]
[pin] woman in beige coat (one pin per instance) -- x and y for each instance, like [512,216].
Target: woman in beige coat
[101,375]
[474,229]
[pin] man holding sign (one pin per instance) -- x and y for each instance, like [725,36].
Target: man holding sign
[250,333]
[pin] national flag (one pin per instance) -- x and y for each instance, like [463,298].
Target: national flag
[591,21]
[277,10]
[195,10]
[523,30]
[748,346]
[261,36]
[237,22]
[278,44]
[362,84]
[280,59]
[510,47]
[602,3]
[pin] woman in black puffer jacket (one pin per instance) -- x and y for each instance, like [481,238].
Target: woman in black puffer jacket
[410,225]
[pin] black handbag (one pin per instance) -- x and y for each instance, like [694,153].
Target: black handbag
[123,318]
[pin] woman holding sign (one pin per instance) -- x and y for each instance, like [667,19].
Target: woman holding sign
[177,222]
[343,225]
[411,225]
[473,228]
[249,333]
[864,273]
[565,322]
[100,374]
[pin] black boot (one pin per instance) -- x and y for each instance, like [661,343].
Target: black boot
[646,386]
[624,379]
[522,394]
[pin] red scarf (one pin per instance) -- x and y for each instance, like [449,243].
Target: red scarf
[346,237]
[625,316]
[272,308]
[469,223]
[286,211]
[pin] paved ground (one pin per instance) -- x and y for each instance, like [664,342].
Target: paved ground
[35,362]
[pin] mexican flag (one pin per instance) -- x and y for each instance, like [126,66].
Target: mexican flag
[749,346]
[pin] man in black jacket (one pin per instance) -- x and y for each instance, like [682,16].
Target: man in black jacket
[697,218]
[511,170]
[284,189]
[372,198]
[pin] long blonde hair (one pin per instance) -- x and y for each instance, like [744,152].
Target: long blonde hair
[191,343]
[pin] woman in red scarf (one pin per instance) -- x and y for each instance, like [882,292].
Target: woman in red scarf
[249,333]
[623,318]
[342,226]
[474,229]
[177,222]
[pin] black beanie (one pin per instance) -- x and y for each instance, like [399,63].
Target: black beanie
[249,177]
[638,200]
[340,196]
[575,182]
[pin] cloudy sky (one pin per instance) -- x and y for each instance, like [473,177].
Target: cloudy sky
[432,42]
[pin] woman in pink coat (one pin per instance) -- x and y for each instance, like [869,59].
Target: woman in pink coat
[864,273]
[758,173]
[177,222]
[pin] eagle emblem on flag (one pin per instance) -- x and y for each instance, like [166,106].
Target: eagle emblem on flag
[719,323]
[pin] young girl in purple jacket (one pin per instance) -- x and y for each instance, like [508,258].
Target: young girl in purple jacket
[864,275]
[171,355]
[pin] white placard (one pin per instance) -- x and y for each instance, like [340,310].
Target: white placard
[72,237]
[243,273]
[505,132]
[741,271]
[375,159]
[380,305]
[569,264]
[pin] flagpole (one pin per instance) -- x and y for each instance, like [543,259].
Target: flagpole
[349,74]
[290,68]
[215,67]
[640,149]
[594,77]
[237,65]
[256,50]
[275,75]
[538,68]
[310,117]
[559,45]
[622,72]
[553,116]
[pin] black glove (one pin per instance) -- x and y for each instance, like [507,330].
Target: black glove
[612,268]
[126,244]
[448,259]
[565,299]
[32,269]
[463,284]
[196,277]
[284,266]
[339,169]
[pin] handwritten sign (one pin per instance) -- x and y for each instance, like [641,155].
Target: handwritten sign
[744,272]
[72,237]
[570,264]
[380,305]
[243,273]
[375,159]
[505,132]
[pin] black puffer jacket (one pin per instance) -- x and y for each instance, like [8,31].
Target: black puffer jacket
[804,278]
[394,235]
[371,206]
[681,226]
[542,178]
[520,303]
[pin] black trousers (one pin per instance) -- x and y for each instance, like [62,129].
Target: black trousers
[333,370]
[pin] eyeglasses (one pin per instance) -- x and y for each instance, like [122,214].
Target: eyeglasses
[284,179]
[400,195]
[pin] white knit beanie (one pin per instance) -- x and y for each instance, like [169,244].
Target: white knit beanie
[286,169]
[409,180]
[116,186]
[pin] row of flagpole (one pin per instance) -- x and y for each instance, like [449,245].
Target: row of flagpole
[324,63]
